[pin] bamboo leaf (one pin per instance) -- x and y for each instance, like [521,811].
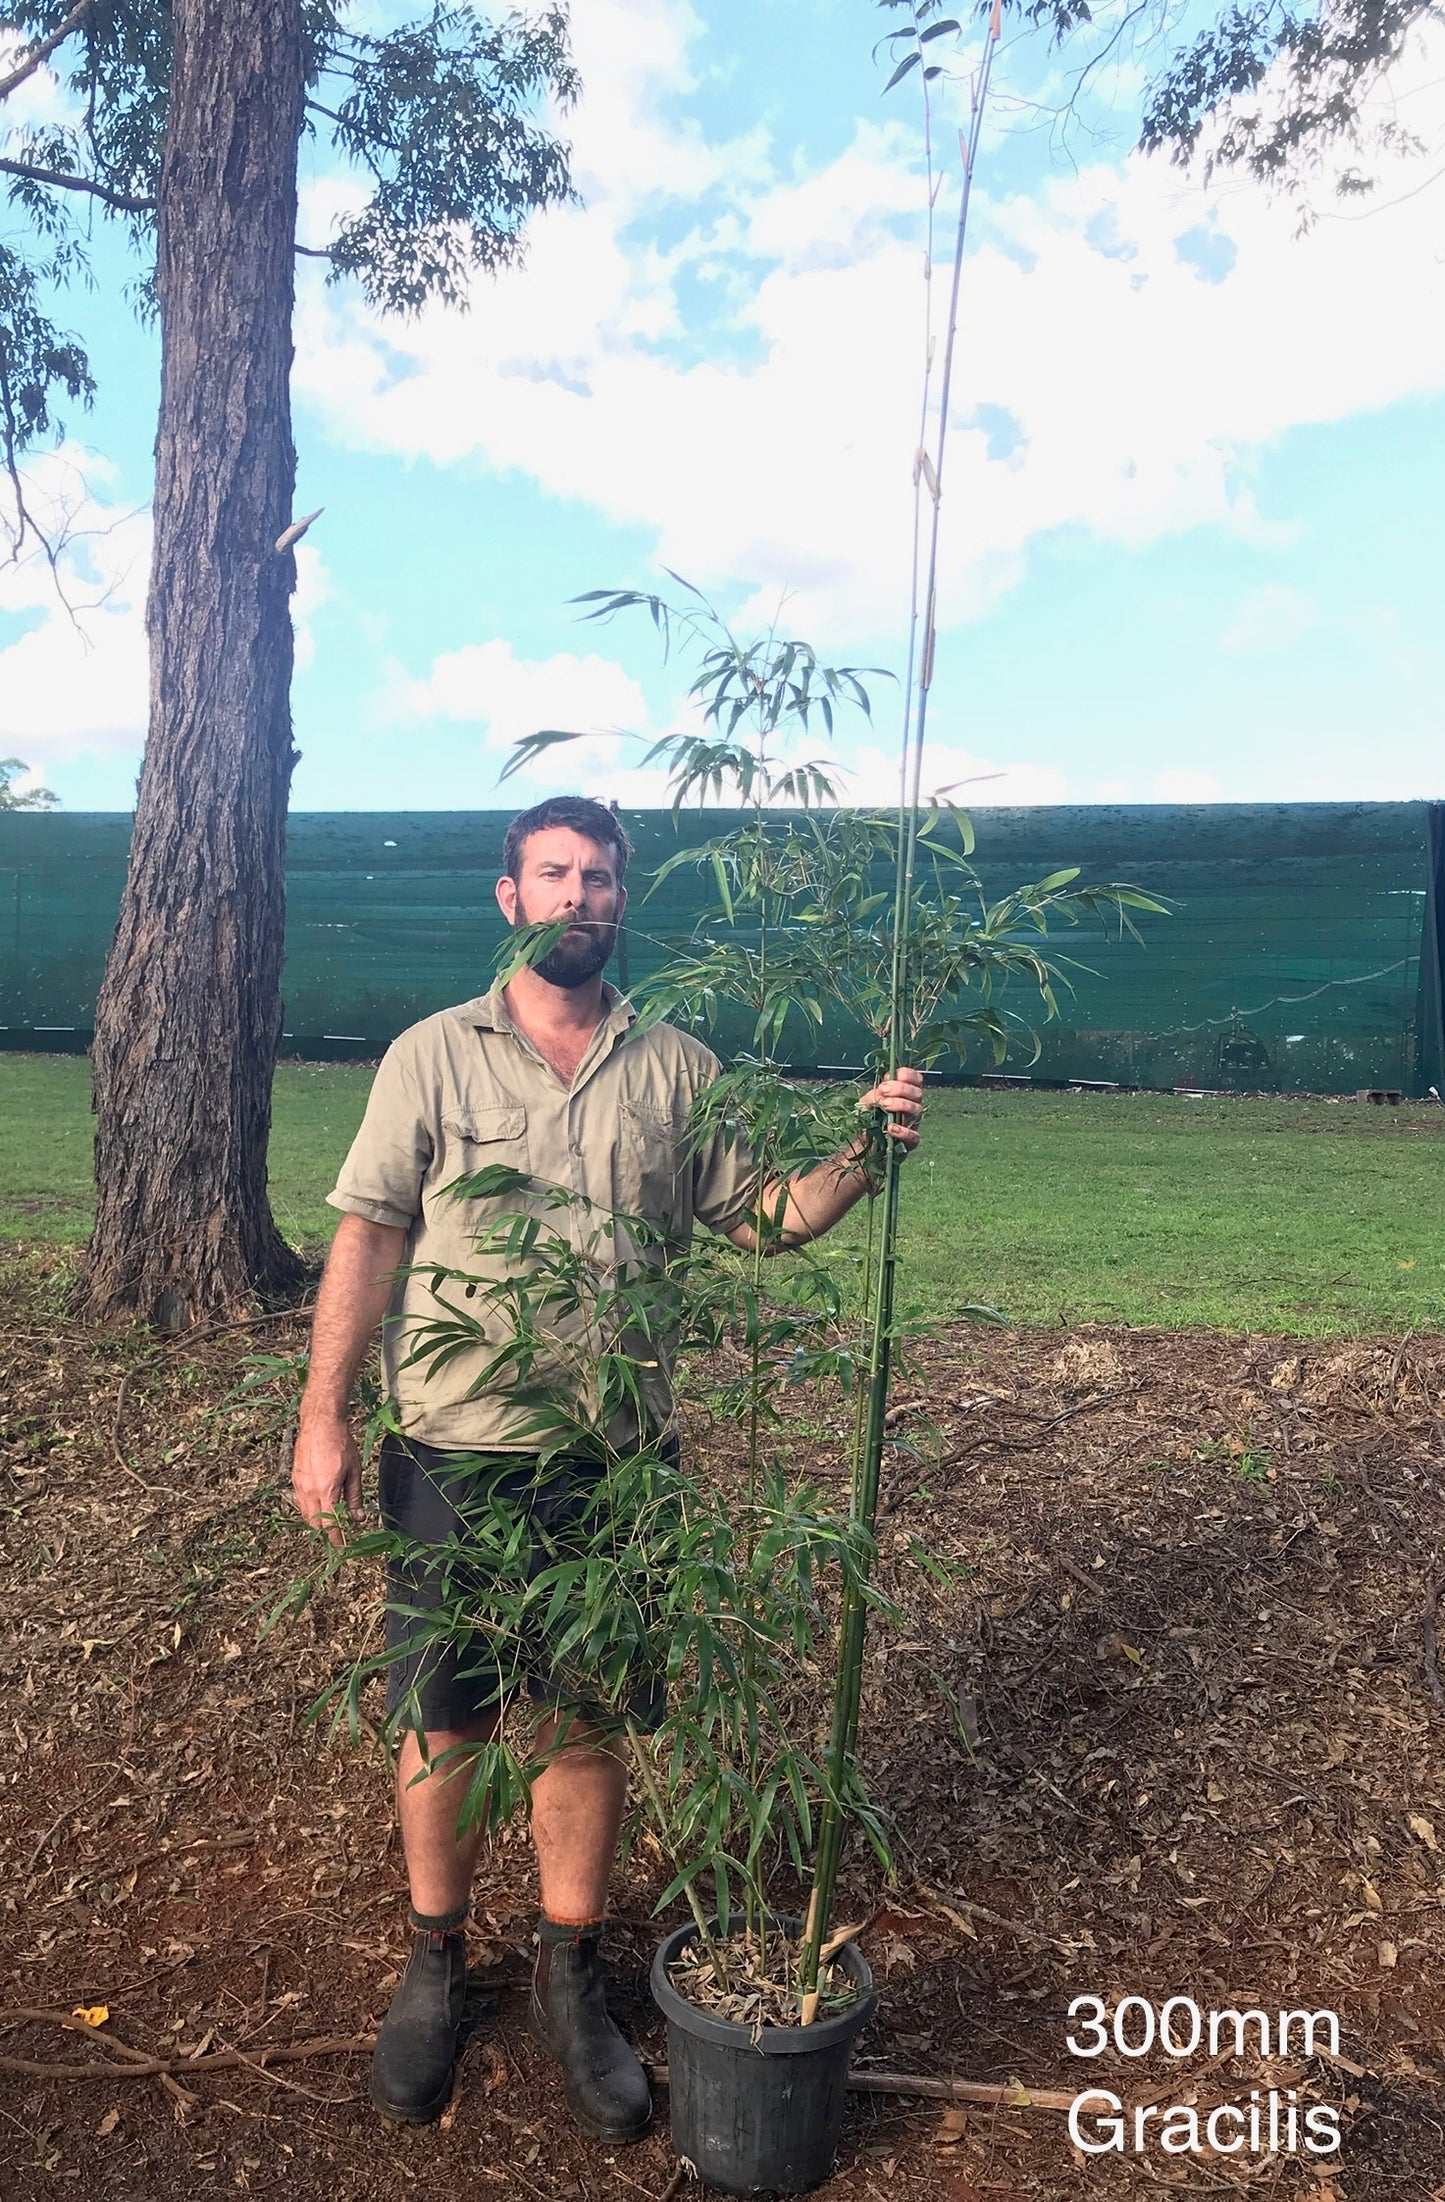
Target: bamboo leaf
[719,874]
[531,746]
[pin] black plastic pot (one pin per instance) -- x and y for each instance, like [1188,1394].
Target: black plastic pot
[758,2116]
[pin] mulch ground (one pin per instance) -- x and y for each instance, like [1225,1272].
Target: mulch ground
[1170,1726]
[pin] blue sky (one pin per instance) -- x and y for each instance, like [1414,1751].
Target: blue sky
[1191,542]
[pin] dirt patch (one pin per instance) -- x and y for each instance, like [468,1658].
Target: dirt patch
[1169,1725]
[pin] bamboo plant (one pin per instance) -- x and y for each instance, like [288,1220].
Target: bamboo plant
[794,918]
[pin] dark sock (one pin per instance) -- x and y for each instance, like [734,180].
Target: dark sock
[556,1931]
[446,1922]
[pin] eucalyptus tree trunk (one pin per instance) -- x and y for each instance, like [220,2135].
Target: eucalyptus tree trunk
[189,1017]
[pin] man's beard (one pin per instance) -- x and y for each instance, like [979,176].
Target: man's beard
[573,963]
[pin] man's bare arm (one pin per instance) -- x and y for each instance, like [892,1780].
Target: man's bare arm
[823,1196]
[355,1290]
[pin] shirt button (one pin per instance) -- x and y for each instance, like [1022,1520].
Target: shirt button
[576,1147]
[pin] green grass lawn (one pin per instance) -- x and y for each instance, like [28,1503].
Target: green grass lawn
[1309,1216]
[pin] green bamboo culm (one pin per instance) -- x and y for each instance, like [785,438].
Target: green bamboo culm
[867,1465]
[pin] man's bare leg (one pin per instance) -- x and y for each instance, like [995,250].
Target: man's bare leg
[439,1862]
[577,1807]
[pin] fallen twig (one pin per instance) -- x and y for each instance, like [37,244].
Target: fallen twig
[252,2062]
[241,1322]
[953,1905]
[22,2015]
[179,2095]
[1076,1574]
[141,2067]
[1432,1645]
[244,1841]
[672,2187]
[53,1829]
[1031,1444]
[1397,1363]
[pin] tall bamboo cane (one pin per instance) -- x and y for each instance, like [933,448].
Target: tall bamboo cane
[868,1460]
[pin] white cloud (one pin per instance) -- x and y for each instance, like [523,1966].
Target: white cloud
[486,685]
[506,697]
[313,587]
[74,680]
[1269,618]
[972,782]
[1184,784]
[772,449]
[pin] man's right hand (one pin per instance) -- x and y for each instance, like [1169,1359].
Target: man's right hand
[326,1466]
[326,1476]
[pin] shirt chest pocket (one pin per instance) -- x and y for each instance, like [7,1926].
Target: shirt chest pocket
[650,1162]
[485,1148]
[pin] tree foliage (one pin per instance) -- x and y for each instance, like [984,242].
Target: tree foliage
[37,363]
[439,118]
[1271,87]
[1324,62]
[11,769]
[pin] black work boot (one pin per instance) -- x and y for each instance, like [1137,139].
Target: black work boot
[416,2047]
[606,2087]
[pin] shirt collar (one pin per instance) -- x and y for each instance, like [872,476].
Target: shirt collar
[489,1011]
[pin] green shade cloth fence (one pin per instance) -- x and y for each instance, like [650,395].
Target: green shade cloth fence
[1302,951]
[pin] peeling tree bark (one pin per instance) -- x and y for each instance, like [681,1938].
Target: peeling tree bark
[189,1017]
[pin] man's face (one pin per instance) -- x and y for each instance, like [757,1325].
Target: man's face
[564,875]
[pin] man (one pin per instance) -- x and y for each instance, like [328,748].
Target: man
[544,1075]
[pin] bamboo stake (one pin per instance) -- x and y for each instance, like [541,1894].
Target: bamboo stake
[988,2094]
[1010,2095]
[868,1462]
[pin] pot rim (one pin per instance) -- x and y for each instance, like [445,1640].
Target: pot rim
[774,2041]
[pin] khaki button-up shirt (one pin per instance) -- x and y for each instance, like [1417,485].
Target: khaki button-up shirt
[465,1089]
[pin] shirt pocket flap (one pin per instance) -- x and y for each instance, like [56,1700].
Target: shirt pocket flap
[653,1120]
[485,1124]
[649,1164]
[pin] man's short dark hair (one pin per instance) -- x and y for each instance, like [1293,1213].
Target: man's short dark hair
[594,820]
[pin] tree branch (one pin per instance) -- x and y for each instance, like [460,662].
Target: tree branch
[45,49]
[25,520]
[121,200]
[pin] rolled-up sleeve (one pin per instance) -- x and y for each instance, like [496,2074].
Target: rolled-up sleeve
[381,1178]
[724,1176]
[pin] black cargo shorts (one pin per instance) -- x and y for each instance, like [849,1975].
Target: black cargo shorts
[427,1494]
